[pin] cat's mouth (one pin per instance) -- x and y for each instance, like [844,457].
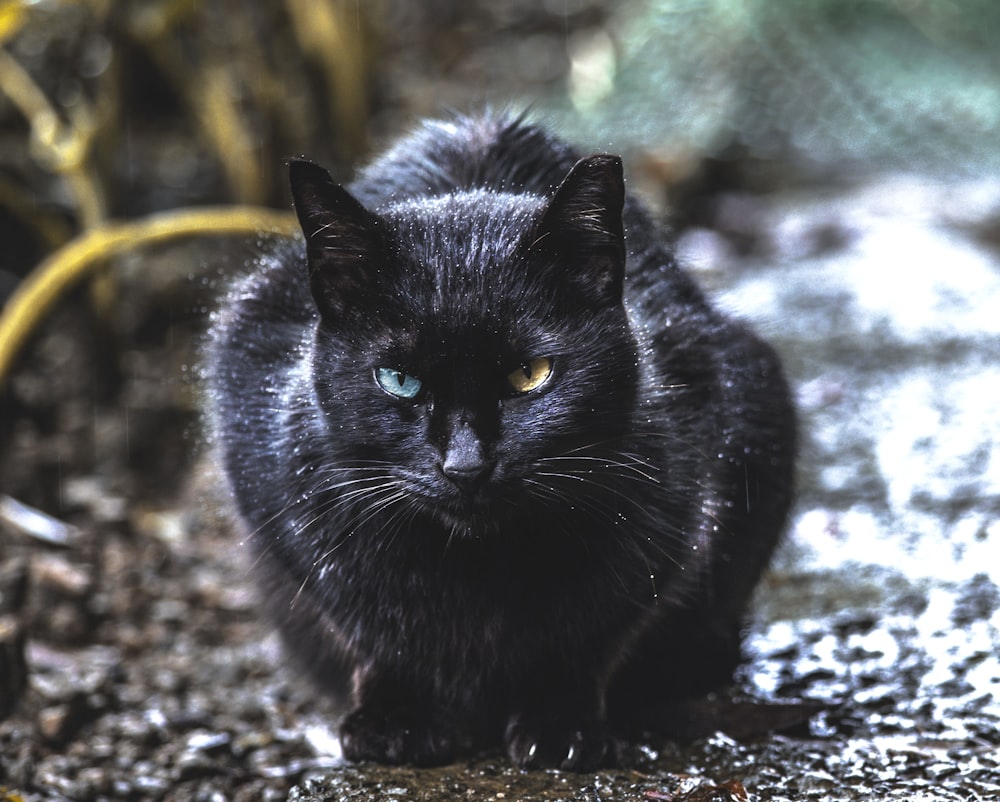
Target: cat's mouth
[471,525]
[471,509]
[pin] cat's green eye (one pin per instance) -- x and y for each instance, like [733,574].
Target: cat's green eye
[531,375]
[396,382]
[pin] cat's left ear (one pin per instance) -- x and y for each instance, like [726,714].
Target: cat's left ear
[582,228]
[343,238]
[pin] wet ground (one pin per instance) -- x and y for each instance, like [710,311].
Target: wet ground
[883,300]
[139,669]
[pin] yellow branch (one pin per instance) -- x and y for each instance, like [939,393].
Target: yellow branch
[66,266]
[13,16]
[331,34]
[61,147]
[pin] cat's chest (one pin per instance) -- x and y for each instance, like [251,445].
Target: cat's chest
[480,605]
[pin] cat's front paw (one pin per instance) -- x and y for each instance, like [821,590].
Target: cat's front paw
[398,735]
[535,742]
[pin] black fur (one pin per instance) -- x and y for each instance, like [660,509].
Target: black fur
[473,565]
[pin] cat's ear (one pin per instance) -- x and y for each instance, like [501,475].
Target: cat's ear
[582,228]
[344,247]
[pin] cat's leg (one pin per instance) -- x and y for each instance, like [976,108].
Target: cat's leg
[558,722]
[391,724]
[536,740]
[397,734]
[682,656]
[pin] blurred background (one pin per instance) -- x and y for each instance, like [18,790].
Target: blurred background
[115,110]
[829,168]
[164,103]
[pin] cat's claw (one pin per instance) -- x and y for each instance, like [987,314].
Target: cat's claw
[396,736]
[536,744]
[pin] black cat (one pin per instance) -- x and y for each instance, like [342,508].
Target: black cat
[506,474]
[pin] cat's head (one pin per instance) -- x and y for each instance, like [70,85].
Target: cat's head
[472,351]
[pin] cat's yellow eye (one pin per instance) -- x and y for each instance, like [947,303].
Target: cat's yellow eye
[531,375]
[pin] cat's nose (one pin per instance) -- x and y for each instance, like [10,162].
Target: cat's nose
[467,477]
[465,462]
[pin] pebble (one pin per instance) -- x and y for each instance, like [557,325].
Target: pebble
[13,664]
[14,582]
[208,741]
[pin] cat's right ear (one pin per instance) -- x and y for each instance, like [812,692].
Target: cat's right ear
[343,241]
